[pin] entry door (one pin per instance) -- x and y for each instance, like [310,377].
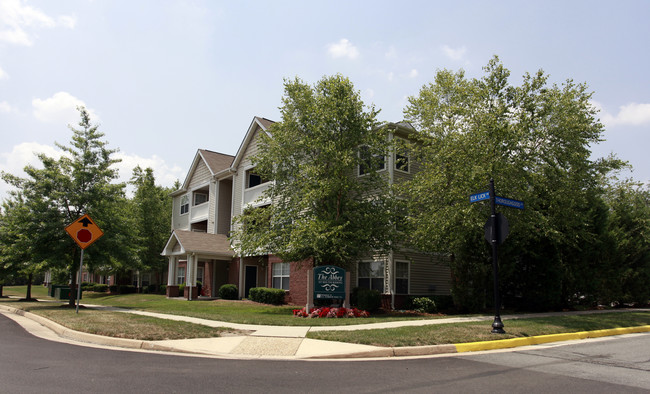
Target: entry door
[251,279]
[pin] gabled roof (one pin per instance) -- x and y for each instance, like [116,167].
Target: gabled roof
[216,162]
[216,245]
[262,123]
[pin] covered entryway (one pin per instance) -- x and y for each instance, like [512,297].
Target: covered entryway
[250,280]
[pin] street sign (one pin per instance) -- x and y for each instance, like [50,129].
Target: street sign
[479,197]
[498,232]
[507,202]
[84,231]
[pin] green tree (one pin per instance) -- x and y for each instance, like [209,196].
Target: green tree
[321,209]
[152,207]
[16,248]
[80,182]
[533,140]
[628,277]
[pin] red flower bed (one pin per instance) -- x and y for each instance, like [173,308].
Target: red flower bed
[330,312]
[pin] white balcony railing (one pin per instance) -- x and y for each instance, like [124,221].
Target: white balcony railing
[252,195]
[199,212]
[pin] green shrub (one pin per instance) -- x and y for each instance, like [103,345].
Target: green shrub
[368,300]
[126,289]
[99,288]
[228,292]
[113,289]
[162,289]
[181,289]
[265,295]
[424,305]
[87,286]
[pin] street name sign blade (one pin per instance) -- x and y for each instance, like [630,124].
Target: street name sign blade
[479,197]
[508,202]
[84,231]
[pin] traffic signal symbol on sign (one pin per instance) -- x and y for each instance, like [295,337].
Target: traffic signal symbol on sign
[84,231]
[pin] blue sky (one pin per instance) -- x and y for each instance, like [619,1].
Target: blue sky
[164,78]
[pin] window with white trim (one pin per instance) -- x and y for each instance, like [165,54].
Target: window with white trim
[199,274]
[180,275]
[370,275]
[185,204]
[402,277]
[200,198]
[254,179]
[280,275]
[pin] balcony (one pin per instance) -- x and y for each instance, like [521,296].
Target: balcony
[199,212]
[251,195]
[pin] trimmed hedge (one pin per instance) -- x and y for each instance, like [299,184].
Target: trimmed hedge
[228,292]
[265,295]
[368,300]
[99,288]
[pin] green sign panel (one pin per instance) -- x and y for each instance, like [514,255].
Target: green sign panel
[329,282]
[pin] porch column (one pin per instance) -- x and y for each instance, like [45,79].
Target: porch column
[171,273]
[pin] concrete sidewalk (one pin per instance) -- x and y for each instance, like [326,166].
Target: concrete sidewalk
[290,342]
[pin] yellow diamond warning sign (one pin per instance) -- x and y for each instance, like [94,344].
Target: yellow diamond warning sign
[84,231]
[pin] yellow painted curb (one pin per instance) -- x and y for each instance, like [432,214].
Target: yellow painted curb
[536,340]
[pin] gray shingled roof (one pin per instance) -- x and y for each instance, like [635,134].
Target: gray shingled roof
[216,161]
[204,243]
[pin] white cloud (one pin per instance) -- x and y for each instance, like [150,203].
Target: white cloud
[343,48]
[20,156]
[165,174]
[7,108]
[413,73]
[633,114]
[3,74]
[61,108]
[24,154]
[391,53]
[454,53]
[18,21]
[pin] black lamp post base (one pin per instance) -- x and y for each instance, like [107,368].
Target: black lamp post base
[497,326]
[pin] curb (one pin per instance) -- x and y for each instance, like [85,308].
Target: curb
[67,333]
[410,351]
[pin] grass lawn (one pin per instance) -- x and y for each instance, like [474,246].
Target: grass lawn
[480,331]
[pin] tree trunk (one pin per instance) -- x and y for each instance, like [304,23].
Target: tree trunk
[28,297]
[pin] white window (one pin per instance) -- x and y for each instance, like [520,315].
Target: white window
[180,276]
[145,279]
[281,276]
[200,198]
[185,204]
[199,274]
[401,277]
[371,275]
[370,162]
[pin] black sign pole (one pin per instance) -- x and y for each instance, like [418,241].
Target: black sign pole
[497,325]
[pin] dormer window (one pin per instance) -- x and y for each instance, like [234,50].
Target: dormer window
[402,157]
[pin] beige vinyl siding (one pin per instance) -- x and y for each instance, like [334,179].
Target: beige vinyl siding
[201,175]
[212,190]
[428,271]
[179,222]
[240,178]
[223,210]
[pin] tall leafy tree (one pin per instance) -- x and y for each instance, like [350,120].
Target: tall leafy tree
[320,209]
[152,207]
[533,140]
[80,182]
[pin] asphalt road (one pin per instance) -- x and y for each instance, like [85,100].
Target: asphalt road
[32,365]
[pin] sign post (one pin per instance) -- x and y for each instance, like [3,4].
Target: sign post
[84,232]
[496,231]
